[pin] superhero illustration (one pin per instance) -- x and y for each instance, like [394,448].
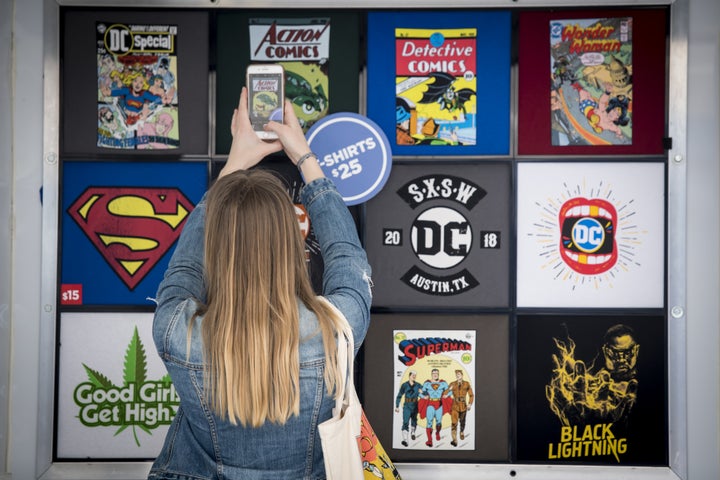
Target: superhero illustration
[587,392]
[580,393]
[265,104]
[302,47]
[409,394]
[306,87]
[441,90]
[591,81]
[152,133]
[375,460]
[462,400]
[433,404]
[424,399]
[137,86]
[436,99]
[136,100]
[405,114]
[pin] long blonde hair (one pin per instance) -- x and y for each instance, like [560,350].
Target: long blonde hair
[255,272]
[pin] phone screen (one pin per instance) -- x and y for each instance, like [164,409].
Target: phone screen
[265,94]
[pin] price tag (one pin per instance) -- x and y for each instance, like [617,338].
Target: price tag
[354,152]
[71,294]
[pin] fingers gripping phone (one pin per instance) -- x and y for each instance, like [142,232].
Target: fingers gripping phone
[266,96]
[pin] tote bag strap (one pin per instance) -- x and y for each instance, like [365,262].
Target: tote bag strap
[345,356]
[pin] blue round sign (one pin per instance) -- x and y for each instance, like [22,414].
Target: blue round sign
[354,152]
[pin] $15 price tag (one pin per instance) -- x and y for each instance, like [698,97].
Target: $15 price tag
[71,294]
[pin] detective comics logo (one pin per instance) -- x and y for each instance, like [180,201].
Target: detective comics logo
[441,236]
[131,227]
[588,237]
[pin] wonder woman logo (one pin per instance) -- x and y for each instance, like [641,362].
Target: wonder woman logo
[132,228]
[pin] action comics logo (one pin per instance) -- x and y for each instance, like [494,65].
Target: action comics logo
[131,227]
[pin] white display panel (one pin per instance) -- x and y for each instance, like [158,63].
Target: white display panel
[115,400]
[590,235]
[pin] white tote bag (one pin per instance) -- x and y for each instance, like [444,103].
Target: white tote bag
[339,435]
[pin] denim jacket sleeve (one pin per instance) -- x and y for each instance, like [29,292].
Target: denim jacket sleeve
[183,279]
[347,273]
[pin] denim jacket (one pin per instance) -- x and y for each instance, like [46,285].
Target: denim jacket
[199,444]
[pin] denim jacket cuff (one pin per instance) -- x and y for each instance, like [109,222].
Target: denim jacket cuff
[316,188]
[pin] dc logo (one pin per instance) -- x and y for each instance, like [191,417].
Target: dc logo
[441,237]
[118,40]
[588,234]
[555,30]
[434,234]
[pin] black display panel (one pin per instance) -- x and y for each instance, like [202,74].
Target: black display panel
[591,389]
[320,50]
[437,236]
[475,345]
[100,111]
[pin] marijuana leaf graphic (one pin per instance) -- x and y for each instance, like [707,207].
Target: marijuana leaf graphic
[139,401]
[135,371]
[97,378]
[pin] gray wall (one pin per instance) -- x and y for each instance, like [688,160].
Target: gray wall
[5,223]
[21,177]
[703,219]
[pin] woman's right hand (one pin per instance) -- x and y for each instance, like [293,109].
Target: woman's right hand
[290,134]
[295,144]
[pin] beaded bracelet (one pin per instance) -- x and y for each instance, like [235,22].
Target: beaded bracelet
[303,158]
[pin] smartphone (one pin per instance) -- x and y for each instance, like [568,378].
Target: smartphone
[266,96]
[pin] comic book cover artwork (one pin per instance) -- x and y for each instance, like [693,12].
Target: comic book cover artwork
[435,86]
[137,95]
[591,91]
[602,391]
[433,386]
[302,47]
[600,399]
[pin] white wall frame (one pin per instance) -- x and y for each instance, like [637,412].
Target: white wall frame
[6,220]
[676,260]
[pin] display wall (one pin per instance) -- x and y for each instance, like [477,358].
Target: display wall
[538,237]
